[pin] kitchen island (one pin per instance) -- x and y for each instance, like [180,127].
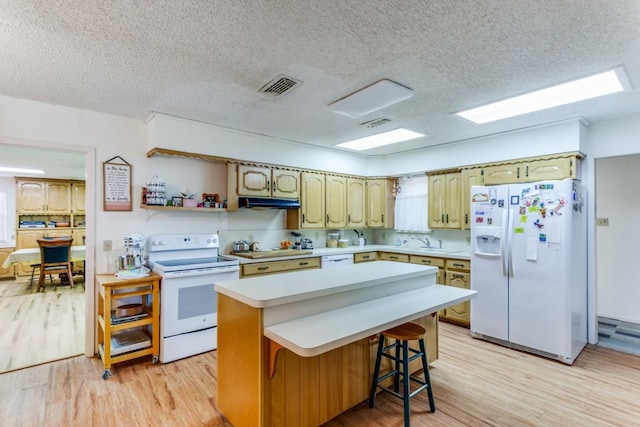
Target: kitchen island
[296,349]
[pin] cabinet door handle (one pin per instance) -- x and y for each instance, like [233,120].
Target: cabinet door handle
[393,257]
[302,217]
[383,218]
[458,276]
[447,218]
[426,261]
[442,218]
[458,265]
[303,263]
[518,172]
[327,219]
[526,173]
[366,257]
[263,268]
[349,218]
[268,185]
[466,218]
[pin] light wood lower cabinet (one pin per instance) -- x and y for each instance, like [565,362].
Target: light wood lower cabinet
[458,274]
[6,273]
[365,257]
[271,267]
[389,256]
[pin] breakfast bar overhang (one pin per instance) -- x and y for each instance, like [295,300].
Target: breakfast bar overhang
[295,349]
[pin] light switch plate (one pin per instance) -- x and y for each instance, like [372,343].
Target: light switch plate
[107,246]
[602,222]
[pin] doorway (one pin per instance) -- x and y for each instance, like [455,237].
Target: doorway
[617,251]
[64,313]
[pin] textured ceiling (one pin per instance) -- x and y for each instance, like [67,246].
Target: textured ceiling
[207,60]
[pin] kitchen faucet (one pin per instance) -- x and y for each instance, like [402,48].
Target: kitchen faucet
[427,242]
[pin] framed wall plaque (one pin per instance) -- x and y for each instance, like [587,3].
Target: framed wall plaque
[117,184]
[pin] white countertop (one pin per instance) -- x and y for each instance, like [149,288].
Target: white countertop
[465,255]
[322,332]
[284,288]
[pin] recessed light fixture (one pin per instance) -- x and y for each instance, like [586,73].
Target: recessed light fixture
[380,139]
[606,83]
[21,170]
[371,98]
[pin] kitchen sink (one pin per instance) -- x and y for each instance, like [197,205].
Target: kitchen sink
[440,251]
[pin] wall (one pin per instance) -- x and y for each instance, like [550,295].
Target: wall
[8,186]
[195,137]
[541,140]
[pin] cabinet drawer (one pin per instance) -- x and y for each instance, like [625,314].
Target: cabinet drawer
[458,264]
[279,266]
[427,260]
[365,257]
[386,256]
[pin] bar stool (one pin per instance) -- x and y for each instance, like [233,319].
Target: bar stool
[402,335]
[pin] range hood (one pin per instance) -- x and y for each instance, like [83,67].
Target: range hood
[268,203]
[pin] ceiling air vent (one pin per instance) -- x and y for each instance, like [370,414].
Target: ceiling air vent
[280,85]
[376,122]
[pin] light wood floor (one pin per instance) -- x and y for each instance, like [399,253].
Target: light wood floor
[475,384]
[38,327]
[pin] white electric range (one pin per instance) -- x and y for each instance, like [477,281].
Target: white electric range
[189,265]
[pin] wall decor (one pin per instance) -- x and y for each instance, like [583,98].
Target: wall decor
[116,176]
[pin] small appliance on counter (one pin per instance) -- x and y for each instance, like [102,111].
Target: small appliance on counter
[361,240]
[296,244]
[306,243]
[131,265]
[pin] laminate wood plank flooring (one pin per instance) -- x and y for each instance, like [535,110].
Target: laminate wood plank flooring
[475,383]
[38,327]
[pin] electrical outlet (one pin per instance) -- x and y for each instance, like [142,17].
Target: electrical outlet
[384,236]
[107,245]
[316,235]
[468,239]
[602,222]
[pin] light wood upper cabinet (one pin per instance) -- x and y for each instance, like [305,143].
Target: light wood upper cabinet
[47,197]
[78,191]
[356,203]
[377,194]
[507,173]
[336,201]
[312,200]
[254,181]
[470,177]
[532,170]
[267,182]
[540,170]
[285,183]
[30,196]
[445,200]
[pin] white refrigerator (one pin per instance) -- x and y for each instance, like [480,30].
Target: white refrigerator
[529,266]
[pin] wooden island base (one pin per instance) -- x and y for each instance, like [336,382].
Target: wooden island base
[324,326]
[304,391]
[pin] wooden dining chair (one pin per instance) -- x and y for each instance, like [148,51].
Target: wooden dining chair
[55,257]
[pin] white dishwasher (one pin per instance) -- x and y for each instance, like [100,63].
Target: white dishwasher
[331,261]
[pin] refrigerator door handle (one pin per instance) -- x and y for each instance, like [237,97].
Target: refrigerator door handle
[510,249]
[504,243]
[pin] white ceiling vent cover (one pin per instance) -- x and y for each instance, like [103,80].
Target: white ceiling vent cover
[376,122]
[280,85]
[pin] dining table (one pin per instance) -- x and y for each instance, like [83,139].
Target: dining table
[32,256]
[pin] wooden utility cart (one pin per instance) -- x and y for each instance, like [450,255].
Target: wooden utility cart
[111,290]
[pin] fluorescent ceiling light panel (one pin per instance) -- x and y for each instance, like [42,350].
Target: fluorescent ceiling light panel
[562,94]
[371,98]
[21,170]
[380,139]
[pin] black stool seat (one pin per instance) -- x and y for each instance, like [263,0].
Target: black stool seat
[402,334]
